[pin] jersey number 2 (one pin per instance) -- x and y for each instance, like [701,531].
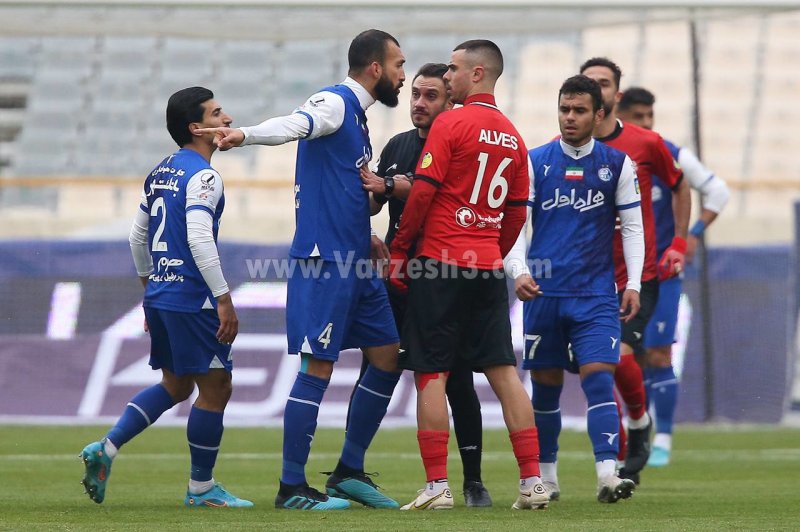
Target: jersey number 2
[498,186]
[158,205]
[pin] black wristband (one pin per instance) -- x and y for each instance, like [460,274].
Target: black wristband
[388,184]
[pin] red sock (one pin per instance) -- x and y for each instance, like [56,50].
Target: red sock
[623,437]
[433,448]
[525,443]
[630,383]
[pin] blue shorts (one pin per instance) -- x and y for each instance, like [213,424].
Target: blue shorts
[660,329]
[328,313]
[186,343]
[589,326]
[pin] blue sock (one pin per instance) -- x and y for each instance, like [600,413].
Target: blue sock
[299,426]
[204,432]
[547,412]
[665,396]
[366,413]
[142,411]
[602,416]
[647,373]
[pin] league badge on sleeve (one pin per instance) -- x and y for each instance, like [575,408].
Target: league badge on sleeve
[427,160]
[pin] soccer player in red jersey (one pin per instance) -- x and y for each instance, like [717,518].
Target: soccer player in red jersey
[650,156]
[468,202]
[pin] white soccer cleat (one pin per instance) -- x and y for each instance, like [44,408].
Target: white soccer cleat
[537,498]
[552,489]
[611,488]
[441,501]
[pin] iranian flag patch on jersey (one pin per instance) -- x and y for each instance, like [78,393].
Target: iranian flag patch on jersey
[574,172]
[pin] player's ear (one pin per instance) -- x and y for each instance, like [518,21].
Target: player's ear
[599,115]
[193,127]
[478,73]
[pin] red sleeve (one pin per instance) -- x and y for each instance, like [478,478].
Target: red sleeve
[665,166]
[414,213]
[513,220]
[435,158]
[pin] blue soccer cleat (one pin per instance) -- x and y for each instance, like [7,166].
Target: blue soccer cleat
[360,488]
[304,497]
[659,457]
[98,469]
[216,497]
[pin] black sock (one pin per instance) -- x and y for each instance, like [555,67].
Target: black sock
[467,421]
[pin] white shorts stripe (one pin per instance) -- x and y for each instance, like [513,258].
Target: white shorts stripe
[304,401]
[547,411]
[373,392]
[610,403]
[142,412]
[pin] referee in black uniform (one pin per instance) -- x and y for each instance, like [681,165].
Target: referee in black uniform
[392,184]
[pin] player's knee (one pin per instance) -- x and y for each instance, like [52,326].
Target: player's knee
[598,386]
[179,388]
[659,357]
[548,377]
[383,357]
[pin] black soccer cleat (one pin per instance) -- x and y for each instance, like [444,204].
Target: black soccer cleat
[638,450]
[476,495]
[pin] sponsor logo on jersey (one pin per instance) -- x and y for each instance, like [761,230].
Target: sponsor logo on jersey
[427,160]
[592,200]
[636,185]
[207,181]
[465,217]
[604,173]
[574,173]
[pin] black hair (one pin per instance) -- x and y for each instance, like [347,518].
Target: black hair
[431,70]
[487,47]
[581,84]
[368,47]
[636,96]
[603,62]
[183,108]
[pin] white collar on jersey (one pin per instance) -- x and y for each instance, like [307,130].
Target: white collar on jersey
[580,151]
[364,97]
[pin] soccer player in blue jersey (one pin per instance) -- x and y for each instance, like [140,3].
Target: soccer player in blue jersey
[187,303]
[636,107]
[566,279]
[335,309]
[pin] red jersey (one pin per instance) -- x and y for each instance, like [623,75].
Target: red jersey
[478,162]
[650,157]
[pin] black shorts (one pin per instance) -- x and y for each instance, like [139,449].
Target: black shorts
[633,331]
[456,316]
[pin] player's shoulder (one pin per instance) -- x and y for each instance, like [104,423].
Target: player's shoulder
[403,138]
[545,149]
[673,148]
[647,136]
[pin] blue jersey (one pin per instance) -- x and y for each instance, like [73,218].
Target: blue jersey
[662,208]
[331,207]
[575,197]
[181,182]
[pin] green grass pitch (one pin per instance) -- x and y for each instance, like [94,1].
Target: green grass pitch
[720,479]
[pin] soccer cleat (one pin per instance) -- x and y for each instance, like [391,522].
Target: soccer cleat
[360,488]
[216,497]
[476,495]
[635,477]
[304,497]
[611,488]
[537,498]
[638,449]
[98,469]
[441,501]
[659,457]
[553,489]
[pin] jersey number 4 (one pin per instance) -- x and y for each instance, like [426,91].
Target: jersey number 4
[498,186]
[158,205]
[325,336]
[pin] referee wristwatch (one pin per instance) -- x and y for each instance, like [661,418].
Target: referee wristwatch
[388,184]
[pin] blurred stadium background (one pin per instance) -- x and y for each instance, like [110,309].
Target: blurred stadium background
[83,88]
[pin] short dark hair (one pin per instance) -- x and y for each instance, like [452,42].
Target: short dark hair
[603,62]
[581,84]
[484,46]
[183,108]
[431,70]
[636,96]
[367,47]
